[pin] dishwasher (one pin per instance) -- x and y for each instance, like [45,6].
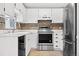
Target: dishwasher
[21,45]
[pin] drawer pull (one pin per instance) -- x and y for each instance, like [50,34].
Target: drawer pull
[28,39]
[56,45]
[56,41]
[56,37]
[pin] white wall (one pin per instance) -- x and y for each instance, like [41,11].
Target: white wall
[78,29]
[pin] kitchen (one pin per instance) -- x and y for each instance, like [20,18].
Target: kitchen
[38,29]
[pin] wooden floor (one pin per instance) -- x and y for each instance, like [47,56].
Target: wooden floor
[34,52]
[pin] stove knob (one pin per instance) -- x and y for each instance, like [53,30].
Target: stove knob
[49,40]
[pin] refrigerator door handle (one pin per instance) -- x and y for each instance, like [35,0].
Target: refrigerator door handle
[68,42]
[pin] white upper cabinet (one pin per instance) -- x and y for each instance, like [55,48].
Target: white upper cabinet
[19,16]
[19,6]
[31,15]
[20,12]
[57,15]
[9,9]
[2,8]
[44,12]
[34,14]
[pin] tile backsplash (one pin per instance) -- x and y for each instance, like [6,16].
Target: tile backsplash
[35,26]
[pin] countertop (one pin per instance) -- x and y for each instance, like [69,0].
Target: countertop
[17,33]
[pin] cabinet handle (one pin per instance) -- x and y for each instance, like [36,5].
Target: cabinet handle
[56,41]
[56,37]
[56,45]
[4,9]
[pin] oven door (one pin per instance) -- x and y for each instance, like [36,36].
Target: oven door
[45,38]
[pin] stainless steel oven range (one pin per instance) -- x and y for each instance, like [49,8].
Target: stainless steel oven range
[45,41]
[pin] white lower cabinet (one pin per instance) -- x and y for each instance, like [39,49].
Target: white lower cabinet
[31,42]
[34,40]
[31,15]
[27,44]
[58,40]
[8,46]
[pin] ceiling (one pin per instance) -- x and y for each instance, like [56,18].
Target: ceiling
[45,5]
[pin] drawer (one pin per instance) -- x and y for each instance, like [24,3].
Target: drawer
[57,38]
[58,44]
[61,43]
[57,34]
[57,41]
[58,47]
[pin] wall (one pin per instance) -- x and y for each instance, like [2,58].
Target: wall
[2,23]
[78,29]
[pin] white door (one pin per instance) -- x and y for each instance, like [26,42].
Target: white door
[44,12]
[57,15]
[31,15]
[34,40]
[28,44]
[19,16]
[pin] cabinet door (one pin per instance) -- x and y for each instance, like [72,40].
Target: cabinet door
[34,40]
[57,15]
[9,9]
[28,44]
[8,46]
[19,16]
[44,12]
[31,16]
[19,6]
[2,8]
[20,12]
